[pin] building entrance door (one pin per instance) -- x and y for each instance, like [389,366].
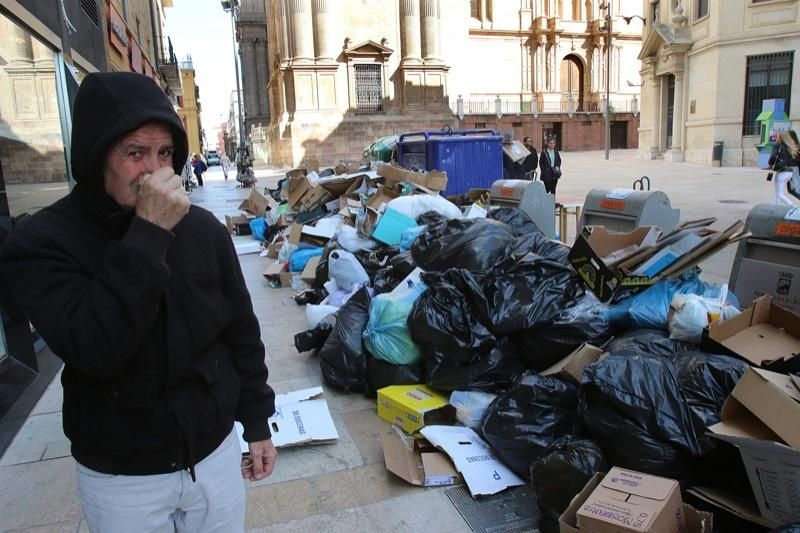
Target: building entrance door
[670,107]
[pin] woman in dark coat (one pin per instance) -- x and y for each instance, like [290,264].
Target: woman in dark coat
[550,166]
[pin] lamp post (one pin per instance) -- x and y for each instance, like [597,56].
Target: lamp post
[229,6]
[606,6]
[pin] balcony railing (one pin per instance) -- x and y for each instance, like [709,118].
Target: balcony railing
[168,65]
[488,106]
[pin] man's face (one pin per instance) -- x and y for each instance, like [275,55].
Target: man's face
[143,151]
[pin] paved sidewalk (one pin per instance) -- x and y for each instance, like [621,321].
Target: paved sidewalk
[344,486]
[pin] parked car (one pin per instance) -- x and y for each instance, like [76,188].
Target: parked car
[212,158]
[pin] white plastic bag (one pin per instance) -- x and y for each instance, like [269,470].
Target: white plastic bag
[690,313]
[346,270]
[349,240]
[286,252]
[419,204]
[316,313]
[470,406]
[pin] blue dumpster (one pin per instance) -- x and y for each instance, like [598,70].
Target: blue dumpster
[471,158]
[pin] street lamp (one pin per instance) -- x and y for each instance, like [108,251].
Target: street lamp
[606,6]
[230,6]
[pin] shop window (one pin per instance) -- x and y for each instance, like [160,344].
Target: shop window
[768,76]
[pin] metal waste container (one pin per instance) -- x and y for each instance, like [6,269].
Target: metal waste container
[531,198]
[716,154]
[768,262]
[471,158]
[624,210]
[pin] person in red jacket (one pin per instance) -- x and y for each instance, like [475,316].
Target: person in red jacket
[161,347]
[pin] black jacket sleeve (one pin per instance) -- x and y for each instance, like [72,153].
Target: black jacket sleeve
[94,322]
[243,338]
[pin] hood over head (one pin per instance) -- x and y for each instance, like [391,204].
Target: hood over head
[109,105]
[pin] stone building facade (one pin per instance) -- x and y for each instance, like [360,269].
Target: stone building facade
[251,34]
[345,72]
[707,66]
[189,108]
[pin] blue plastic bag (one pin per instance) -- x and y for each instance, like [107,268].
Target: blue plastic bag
[650,308]
[386,336]
[409,236]
[299,259]
[258,228]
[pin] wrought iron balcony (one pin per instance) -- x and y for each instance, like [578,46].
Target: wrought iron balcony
[169,67]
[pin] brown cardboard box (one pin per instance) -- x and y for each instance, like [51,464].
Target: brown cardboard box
[572,366]
[760,418]
[281,272]
[629,501]
[392,175]
[309,274]
[257,204]
[764,335]
[696,521]
[273,249]
[420,464]
[237,224]
[384,195]
[298,186]
[516,151]
[314,197]
[338,186]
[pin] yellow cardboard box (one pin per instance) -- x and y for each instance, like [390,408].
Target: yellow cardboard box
[412,407]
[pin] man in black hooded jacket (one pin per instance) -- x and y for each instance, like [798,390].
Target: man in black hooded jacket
[142,296]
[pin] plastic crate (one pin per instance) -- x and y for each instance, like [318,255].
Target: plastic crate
[471,158]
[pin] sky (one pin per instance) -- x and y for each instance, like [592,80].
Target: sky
[202,29]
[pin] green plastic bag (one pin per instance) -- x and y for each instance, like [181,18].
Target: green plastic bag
[381,150]
[386,336]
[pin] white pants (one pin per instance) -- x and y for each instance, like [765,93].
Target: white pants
[781,179]
[168,502]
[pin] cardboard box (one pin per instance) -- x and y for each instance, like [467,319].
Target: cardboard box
[301,418]
[571,367]
[383,196]
[757,278]
[238,225]
[299,184]
[696,521]
[733,504]
[258,205]
[392,175]
[391,226]
[280,272]
[413,406]
[765,335]
[309,274]
[338,185]
[419,462]
[629,501]
[274,249]
[483,473]
[475,211]
[515,151]
[314,197]
[760,417]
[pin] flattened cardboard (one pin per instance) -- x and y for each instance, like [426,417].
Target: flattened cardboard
[383,196]
[420,465]
[411,407]
[238,225]
[392,175]
[483,472]
[301,418]
[309,274]
[761,415]
[338,185]
[572,366]
[765,334]
[744,508]
[629,501]
[756,278]
[516,151]
[696,521]
[258,205]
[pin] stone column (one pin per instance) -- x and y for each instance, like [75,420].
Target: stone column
[324,11]
[655,111]
[677,120]
[302,30]
[409,30]
[263,78]
[282,25]
[538,10]
[430,30]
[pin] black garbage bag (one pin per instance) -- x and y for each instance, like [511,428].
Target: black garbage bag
[375,260]
[529,294]
[310,296]
[321,273]
[381,374]
[538,244]
[385,280]
[459,350]
[523,423]
[581,321]
[313,339]
[343,358]
[647,342]
[403,264]
[431,218]
[706,381]
[561,474]
[470,244]
[520,222]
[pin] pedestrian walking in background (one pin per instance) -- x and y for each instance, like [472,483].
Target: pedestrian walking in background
[783,163]
[142,296]
[550,166]
[199,167]
[225,163]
